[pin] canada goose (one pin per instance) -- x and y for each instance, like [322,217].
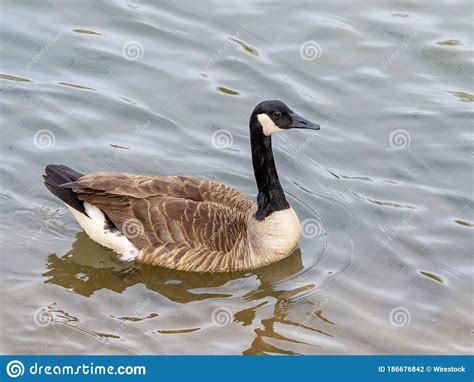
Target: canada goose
[188,223]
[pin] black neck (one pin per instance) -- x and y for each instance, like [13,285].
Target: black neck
[270,197]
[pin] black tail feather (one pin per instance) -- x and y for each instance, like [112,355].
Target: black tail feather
[57,175]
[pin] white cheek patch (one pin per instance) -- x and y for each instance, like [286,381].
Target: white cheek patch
[268,126]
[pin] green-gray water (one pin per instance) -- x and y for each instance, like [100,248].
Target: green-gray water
[384,191]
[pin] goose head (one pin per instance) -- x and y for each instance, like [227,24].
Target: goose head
[267,118]
[274,116]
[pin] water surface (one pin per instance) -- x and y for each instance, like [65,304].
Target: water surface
[384,191]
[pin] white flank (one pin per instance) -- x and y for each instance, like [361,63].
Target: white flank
[95,226]
[268,126]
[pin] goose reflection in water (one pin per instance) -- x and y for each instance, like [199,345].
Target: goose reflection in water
[88,268]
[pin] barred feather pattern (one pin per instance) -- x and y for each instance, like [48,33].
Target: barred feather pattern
[188,223]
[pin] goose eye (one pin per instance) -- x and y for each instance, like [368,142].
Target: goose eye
[276,114]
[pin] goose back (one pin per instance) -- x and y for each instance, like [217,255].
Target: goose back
[177,222]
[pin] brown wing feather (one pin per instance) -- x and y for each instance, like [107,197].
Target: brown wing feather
[183,222]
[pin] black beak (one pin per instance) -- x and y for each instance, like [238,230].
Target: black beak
[298,122]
